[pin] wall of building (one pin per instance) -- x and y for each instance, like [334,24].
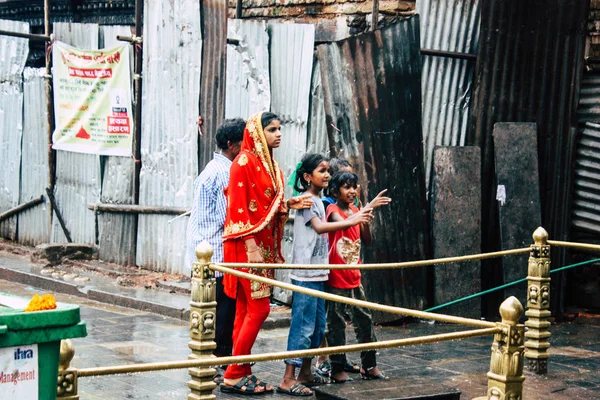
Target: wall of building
[333,19]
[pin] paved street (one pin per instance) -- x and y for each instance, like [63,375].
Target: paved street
[119,335]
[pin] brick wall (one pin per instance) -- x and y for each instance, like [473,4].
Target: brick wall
[333,19]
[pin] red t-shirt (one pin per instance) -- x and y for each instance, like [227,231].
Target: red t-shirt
[344,248]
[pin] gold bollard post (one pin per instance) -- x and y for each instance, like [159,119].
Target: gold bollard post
[538,304]
[67,376]
[202,324]
[505,378]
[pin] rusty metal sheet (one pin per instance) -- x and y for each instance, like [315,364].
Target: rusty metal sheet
[372,94]
[172,65]
[528,69]
[34,224]
[116,233]
[318,141]
[449,25]
[77,174]
[13,54]
[212,79]
[248,84]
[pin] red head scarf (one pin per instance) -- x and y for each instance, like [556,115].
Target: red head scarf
[255,207]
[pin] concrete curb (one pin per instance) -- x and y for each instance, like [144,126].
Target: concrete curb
[275,320]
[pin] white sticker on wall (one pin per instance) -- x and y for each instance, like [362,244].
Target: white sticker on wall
[19,372]
[501,194]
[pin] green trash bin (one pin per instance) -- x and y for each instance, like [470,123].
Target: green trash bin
[30,347]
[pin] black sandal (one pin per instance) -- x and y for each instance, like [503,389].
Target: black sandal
[323,369]
[297,389]
[238,388]
[366,376]
[351,367]
[260,383]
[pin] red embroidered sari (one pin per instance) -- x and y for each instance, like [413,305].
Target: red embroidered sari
[255,208]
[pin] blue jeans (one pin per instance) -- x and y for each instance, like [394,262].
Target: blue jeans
[307,327]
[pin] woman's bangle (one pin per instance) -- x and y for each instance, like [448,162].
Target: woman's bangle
[252,251]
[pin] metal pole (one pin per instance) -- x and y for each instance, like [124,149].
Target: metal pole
[21,207]
[238,9]
[49,107]
[137,122]
[375,15]
[203,309]
[538,304]
[61,221]
[30,36]
[135,209]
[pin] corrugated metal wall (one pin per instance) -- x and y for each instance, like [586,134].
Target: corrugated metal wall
[116,233]
[585,223]
[449,25]
[291,58]
[172,64]
[586,196]
[318,141]
[529,70]
[372,92]
[213,79]
[77,174]
[34,224]
[248,88]
[13,53]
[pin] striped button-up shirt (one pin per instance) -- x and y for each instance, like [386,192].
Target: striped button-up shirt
[208,211]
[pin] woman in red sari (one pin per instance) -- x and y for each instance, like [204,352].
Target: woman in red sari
[256,215]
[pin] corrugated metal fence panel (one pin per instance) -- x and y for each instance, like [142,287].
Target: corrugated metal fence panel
[318,142]
[77,174]
[13,50]
[450,25]
[291,55]
[588,109]
[172,49]
[34,224]
[248,88]
[528,70]
[586,197]
[13,54]
[213,78]
[372,91]
[116,234]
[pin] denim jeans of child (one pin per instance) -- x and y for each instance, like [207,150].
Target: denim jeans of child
[307,327]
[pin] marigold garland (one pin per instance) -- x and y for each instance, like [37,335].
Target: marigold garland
[45,302]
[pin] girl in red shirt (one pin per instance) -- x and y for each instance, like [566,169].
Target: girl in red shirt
[344,248]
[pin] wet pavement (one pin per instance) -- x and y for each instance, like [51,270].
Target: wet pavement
[118,335]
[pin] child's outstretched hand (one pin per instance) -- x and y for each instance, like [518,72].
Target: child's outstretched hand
[364,216]
[300,202]
[379,200]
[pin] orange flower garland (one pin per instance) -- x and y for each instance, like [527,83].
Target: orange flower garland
[45,302]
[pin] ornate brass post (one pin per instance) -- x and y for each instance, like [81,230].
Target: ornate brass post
[505,379]
[67,376]
[202,324]
[538,304]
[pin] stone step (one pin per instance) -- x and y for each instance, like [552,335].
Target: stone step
[392,389]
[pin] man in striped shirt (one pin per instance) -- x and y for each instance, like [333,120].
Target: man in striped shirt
[208,217]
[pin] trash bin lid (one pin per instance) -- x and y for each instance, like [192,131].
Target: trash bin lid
[14,318]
